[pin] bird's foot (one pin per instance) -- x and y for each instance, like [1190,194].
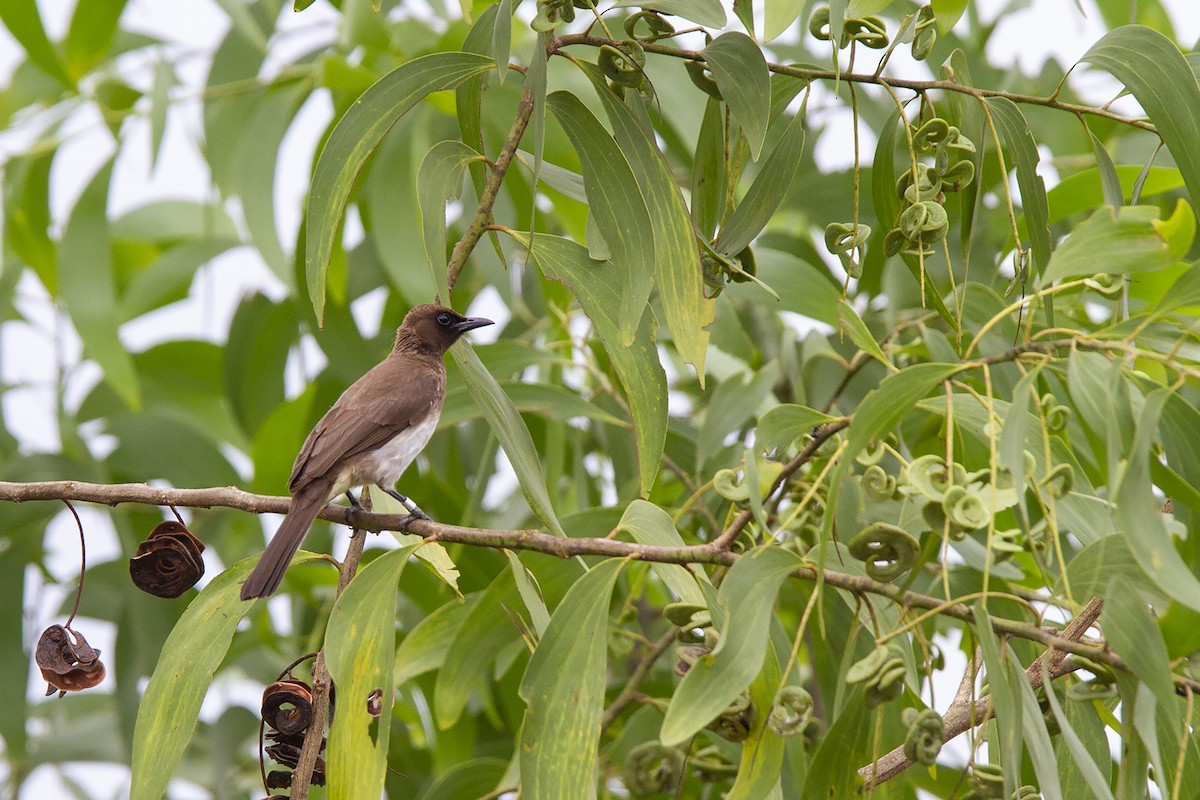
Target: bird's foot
[417,514]
[354,506]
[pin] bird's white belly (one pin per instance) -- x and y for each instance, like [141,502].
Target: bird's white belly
[385,465]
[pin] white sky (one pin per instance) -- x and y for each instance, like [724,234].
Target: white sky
[31,353]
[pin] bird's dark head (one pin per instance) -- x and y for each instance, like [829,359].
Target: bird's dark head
[435,327]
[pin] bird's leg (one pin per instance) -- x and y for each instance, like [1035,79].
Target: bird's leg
[414,513]
[354,505]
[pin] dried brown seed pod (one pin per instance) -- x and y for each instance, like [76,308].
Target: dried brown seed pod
[287,706]
[67,661]
[168,562]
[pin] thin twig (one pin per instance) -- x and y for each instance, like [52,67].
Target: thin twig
[629,692]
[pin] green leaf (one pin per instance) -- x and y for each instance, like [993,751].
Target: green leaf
[426,645]
[785,423]
[477,640]
[1081,758]
[886,404]
[833,770]
[948,13]
[680,283]
[1018,140]
[254,176]
[764,196]
[85,280]
[439,179]
[474,778]
[1152,68]
[1110,183]
[615,204]
[649,524]
[1006,701]
[735,400]
[762,751]
[510,430]
[260,336]
[637,366]
[170,706]
[502,38]
[703,12]
[359,652]
[353,140]
[25,24]
[740,70]
[1037,738]
[1115,241]
[1130,630]
[778,16]
[857,330]
[90,34]
[563,688]
[546,399]
[708,171]
[1138,514]
[530,594]
[747,597]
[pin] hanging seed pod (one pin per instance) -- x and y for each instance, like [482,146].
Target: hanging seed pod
[886,550]
[652,767]
[926,733]
[791,712]
[168,562]
[287,706]
[67,661]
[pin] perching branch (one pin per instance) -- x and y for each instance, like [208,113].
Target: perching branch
[547,544]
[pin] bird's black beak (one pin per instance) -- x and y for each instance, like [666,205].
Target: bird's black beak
[471,323]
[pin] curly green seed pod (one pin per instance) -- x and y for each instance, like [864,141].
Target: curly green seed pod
[882,674]
[687,615]
[926,733]
[623,67]
[551,14]
[1087,691]
[869,31]
[965,508]
[932,134]
[924,221]
[928,475]
[651,767]
[959,176]
[791,712]
[728,486]
[1060,480]
[1026,792]
[987,780]
[1106,284]
[926,33]
[698,72]
[736,721]
[655,22]
[747,264]
[886,550]
[877,484]
[845,240]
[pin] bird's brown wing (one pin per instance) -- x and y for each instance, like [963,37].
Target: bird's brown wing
[393,396]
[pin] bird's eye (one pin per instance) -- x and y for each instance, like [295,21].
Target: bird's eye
[443,318]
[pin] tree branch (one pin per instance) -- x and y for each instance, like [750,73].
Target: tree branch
[965,713]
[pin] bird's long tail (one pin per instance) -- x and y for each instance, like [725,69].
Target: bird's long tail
[306,504]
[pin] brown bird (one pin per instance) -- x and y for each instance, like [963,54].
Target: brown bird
[370,435]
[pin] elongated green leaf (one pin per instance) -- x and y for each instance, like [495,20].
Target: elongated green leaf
[948,12]
[510,430]
[1140,522]
[563,688]
[731,405]
[90,34]
[502,38]
[170,706]
[1005,695]
[474,778]
[1081,759]
[85,279]
[1115,241]
[468,659]
[1110,183]
[680,282]
[637,366]
[746,597]
[616,205]
[254,177]
[766,193]
[426,645]
[530,595]
[440,179]
[25,24]
[778,16]
[1152,68]
[708,171]
[762,751]
[1037,737]
[649,524]
[1017,139]
[783,424]
[740,70]
[356,136]
[857,330]
[260,337]
[359,652]
[833,770]
[886,404]
[549,400]
[702,12]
